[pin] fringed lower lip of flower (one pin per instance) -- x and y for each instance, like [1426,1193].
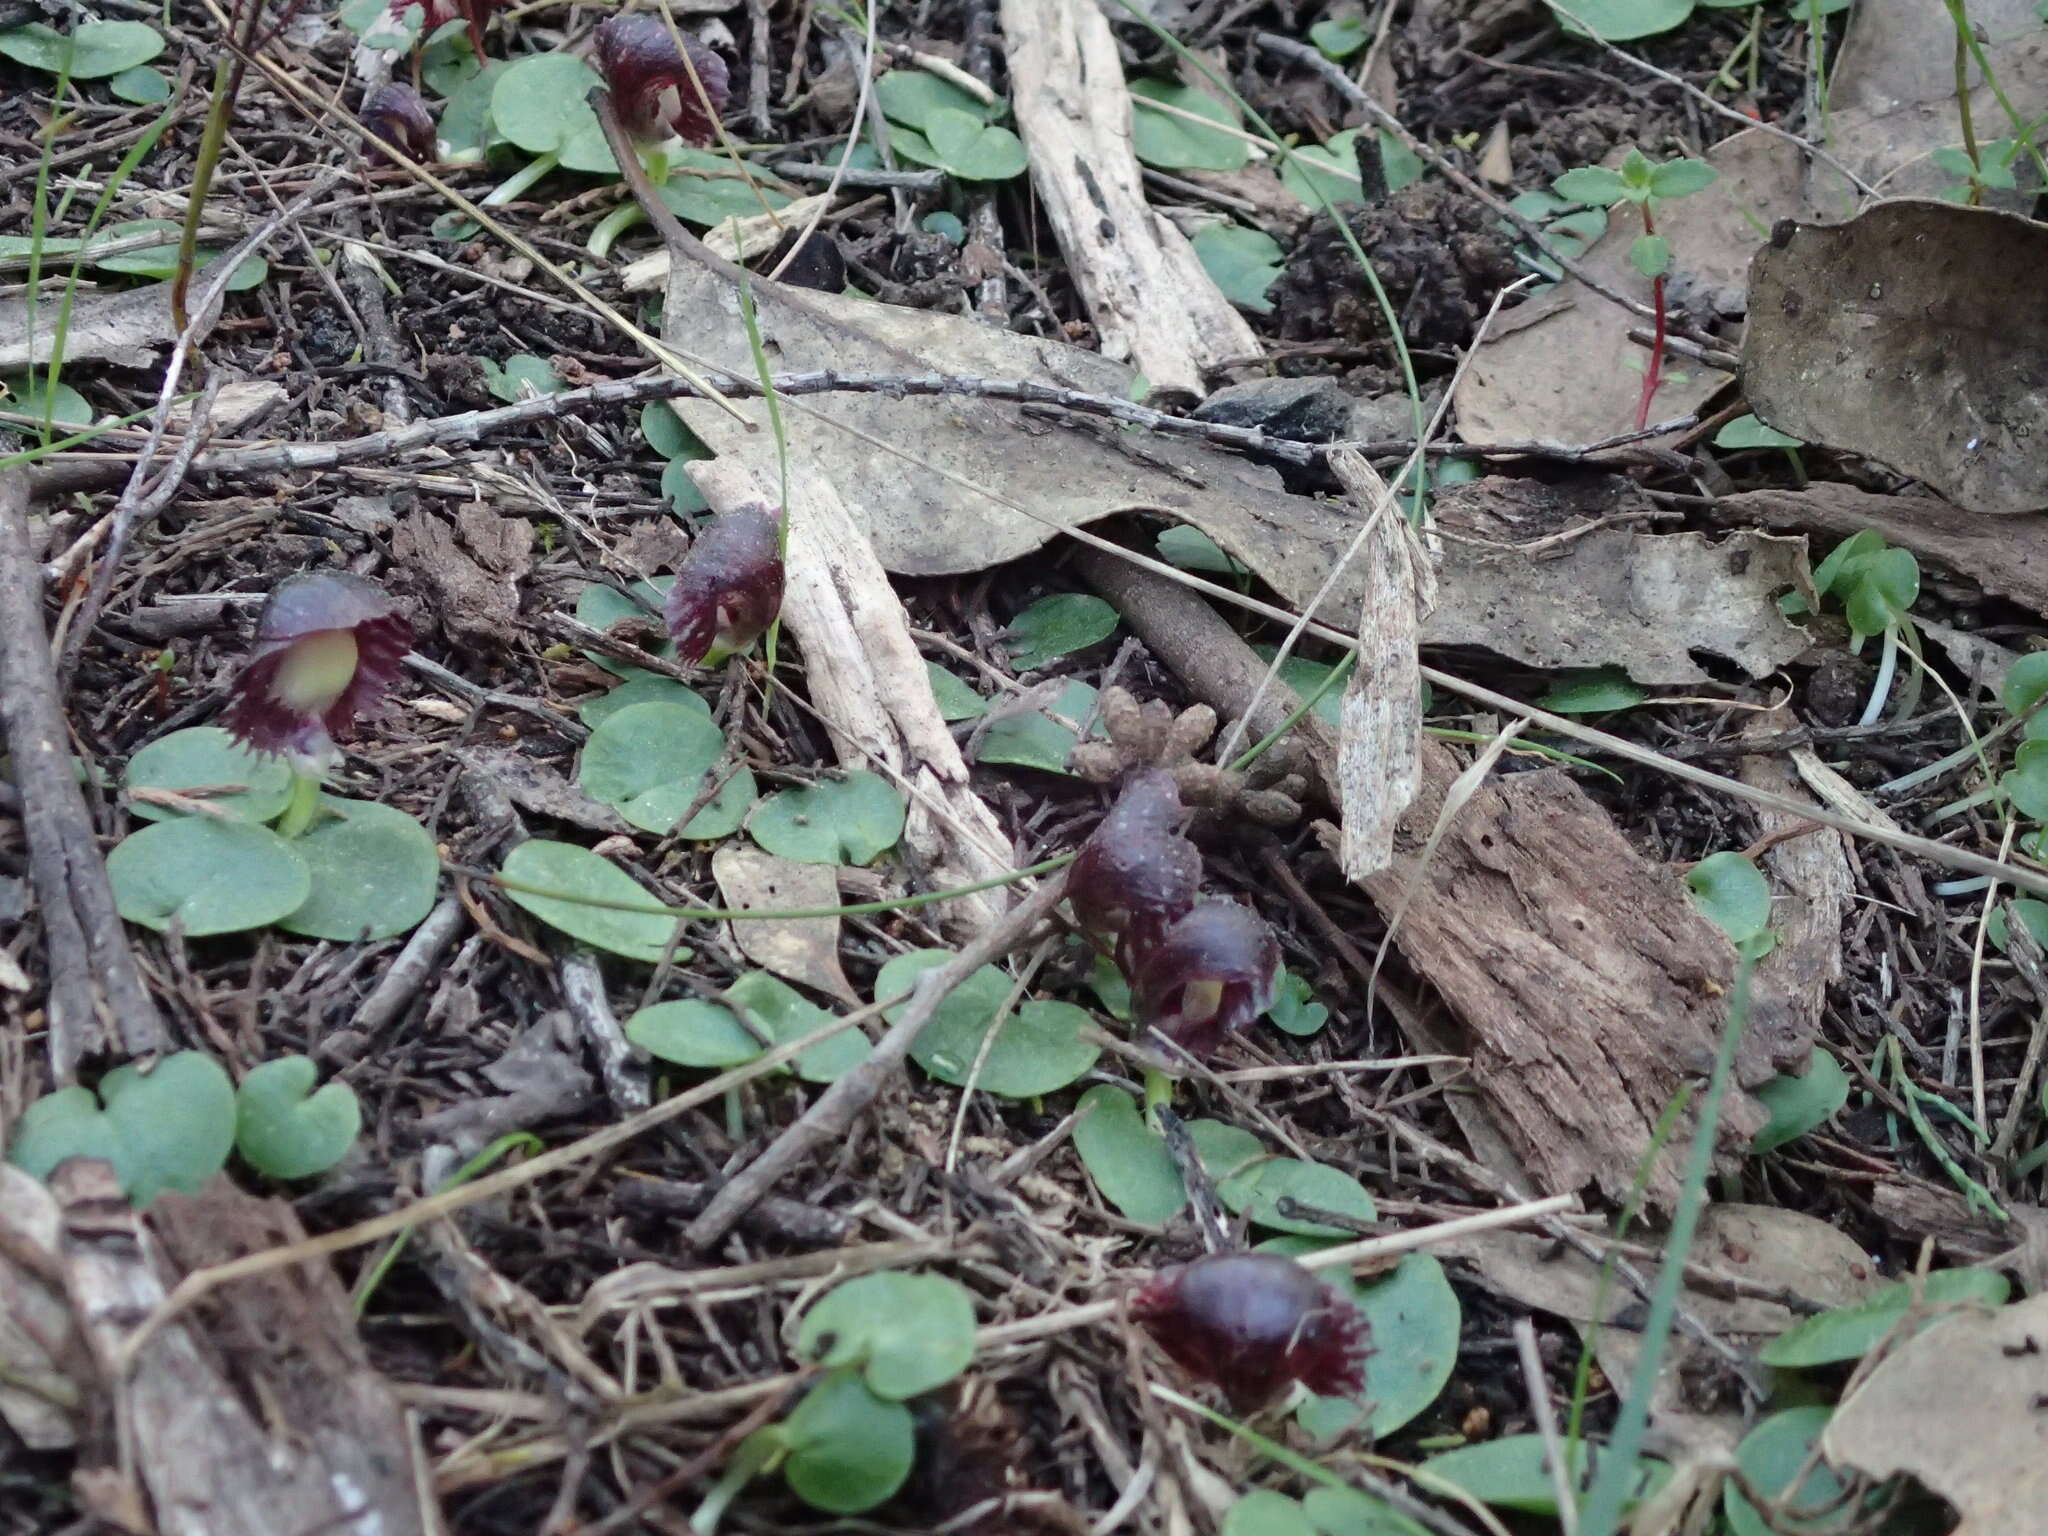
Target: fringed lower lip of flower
[728,589]
[1254,1324]
[657,93]
[1208,975]
[328,648]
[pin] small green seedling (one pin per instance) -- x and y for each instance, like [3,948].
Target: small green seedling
[848,1446]
[1876,585]
[1991,171]
[937,123]
[1746,432]
[1647,184]
[173,1126]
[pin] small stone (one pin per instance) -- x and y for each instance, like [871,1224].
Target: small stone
[1303,410]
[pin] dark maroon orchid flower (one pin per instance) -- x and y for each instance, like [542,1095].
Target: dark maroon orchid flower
[1252,1323]
[1207,976]
[1136,874]
[729,587]
[328,647]
[651,85]
[397,115]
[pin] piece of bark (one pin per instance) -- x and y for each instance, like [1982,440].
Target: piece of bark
[1588,986]
[97,1002]
[256,1411]
[1379,753]
[1147,292]
[870,687]
[2006,556]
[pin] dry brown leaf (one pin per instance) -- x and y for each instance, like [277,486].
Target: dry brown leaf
[799,949]
[1959,1408]
[1911,334]
[40,1400]
[124,329]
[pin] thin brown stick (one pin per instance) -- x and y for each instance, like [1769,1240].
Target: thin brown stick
[97,998]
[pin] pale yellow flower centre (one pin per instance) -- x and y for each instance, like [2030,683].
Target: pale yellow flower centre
[1200,1001]
[316,671]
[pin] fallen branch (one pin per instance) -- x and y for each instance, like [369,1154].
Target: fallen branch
[97,1002]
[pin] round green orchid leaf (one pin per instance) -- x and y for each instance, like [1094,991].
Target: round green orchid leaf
[845,820]
[1592,691]
[666,432]
[31,395]
[1295,1008]
[1168,141]
[285,1129]
[641,688]
[1513,1473]
[1348,1512]
[710,200]
[465,127]
[1257,1190]
[1415,1320]
[2033,917]
[1058,626]
[1622,21]
[1733,893]
[375,872]
[911,96]
[1746,431]
[849,1450]
[1043,738]
[161,261]
[1325,173]
[202,761]
[590,899]
[207,876]
[539,102]
[96,49]
[955,699]
[1771,1456]
[1243,263]
[601,606]
[1801,1104]
[64,1124]
[2026,680]
[1262,1512]
[1126,1158]
[907,1333]
[1851,1332]
[650,762]
[1224,1150]
[691,1032]
[2026,782]
[786,1014]
[176,1123]
[973,150]
[1189,548]
[140,84]
[1038,1049]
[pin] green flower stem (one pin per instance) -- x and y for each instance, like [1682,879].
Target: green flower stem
[611,226]
[303,806]
[1158,1090]
[226,78]
[520,180]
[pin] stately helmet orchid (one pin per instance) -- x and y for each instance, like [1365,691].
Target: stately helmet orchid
[1136,875]
[397,115]
[729,586]
[1253,1324]
[1207,976]
[328,647]
[656,93]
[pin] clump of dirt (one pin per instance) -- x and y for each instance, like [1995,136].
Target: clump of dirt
[1559,143]
[1440,254]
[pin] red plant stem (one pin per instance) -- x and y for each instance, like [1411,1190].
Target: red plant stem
[1653,374]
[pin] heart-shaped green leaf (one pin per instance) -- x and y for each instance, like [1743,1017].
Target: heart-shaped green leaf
[1772,1455]
[284,1129]
[786,1014]
[95,49]
[1262,1512]
[846,820]
[651,762]
[1514,1473]
[1325,173]
[207,876]
[849,1450]
[1348,1512]
[1243,263]
[1295,1008]
[692,1032]
[955,699]
[539,102]
[707,200]
[1058,626]
[177,1122]
[601,607]
[911,96]
[1043,738]
[907,1333]
[1801,1104]
[641,688]
[591,900]
[1126,1158]
[1849,1333]
[64,1124]
[374,873]
[974,150]
[206,758]
[2026,680]
[1746,431]
[1169,141]
[1733,893]
[1258,1190]
[1038,1049]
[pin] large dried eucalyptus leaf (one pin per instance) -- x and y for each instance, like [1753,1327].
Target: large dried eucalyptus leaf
[1914,334]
